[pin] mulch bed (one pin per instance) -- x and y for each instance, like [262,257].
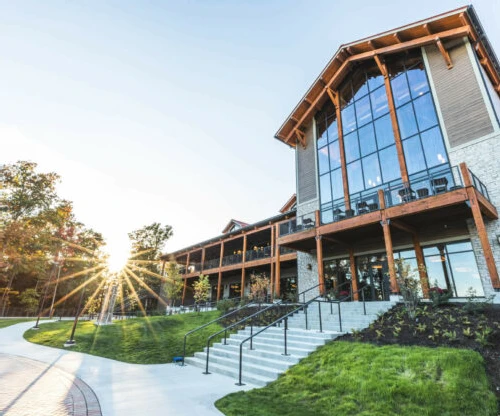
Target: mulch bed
[468,325]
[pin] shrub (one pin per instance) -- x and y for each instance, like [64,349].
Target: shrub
[225,305]
[409,287]
[439,296]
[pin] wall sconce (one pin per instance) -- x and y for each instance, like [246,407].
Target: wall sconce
[498,238]
[309,266]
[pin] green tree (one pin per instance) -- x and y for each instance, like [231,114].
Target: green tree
[29,300]
[147,244]
[201,289]
[172,288]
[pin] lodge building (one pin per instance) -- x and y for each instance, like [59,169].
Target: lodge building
[397,146]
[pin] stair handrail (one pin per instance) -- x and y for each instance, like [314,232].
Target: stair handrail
[339,301]
[303,293]
[229,327]
[210,323]
[276,322]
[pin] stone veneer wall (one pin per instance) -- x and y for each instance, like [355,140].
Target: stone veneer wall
[482,158]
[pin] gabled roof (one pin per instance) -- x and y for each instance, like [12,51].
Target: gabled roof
[233,223]
[289,204]
[434,30]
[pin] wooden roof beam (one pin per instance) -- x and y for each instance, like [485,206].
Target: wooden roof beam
[397,37]
[332,94]
[301,137]
[404,226]
[381,66]
[427,28]
[335,240]
[445,53]
[339,74]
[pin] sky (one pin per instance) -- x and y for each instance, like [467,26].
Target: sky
[165,111]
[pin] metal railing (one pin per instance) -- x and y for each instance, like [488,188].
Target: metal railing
[479,185]
[259,253]
[286,250]
[210,323]
[302,223]
[232,259]
[211,264]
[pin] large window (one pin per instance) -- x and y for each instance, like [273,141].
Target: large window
[417,119]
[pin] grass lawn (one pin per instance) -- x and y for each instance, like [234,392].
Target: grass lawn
[345,378]
[8,322]
[150,340]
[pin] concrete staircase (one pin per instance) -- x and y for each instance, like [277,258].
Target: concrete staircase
[352,315]
[265,362]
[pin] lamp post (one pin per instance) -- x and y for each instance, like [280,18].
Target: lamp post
[71,341]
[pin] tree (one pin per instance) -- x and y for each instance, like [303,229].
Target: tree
[258,287]
[172,288]
[29,300]
[201,289]
[147,244]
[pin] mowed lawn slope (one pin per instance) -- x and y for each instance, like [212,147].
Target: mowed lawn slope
[346,378]
[151,340]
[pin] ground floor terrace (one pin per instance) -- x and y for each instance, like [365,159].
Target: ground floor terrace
[447,230]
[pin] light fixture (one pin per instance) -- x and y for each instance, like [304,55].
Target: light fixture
[309,266]
[498,238]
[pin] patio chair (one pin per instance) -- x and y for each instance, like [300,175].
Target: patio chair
[440,185]
[407,194]
[423,192]
[362,207]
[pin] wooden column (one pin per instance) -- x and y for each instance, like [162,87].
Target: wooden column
[394,120]
[321,274]
[185,278]
[388,243]
[219,281]
[424,279]
[481,229]
[278,272]
[202,259]
[354,274]
[243,271]
[273,253]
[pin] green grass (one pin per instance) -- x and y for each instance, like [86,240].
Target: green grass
[151,340]
[344,378]
[4,323]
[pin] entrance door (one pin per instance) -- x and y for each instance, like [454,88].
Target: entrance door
[373,275]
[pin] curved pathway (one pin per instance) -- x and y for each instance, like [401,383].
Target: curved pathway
[38,380]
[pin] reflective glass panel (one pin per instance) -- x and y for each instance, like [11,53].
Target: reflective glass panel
[322,140]
[348,119]
[324,165]
[461,246]
[384,132]
[351,147]
[326,193]
[371,171]
[337,184]
[414,155]
[418,82]
[425,112]
[367,140]
[435,271]
[375,81]
[333,131]
[435,152]
[334,155]
[363,111]
[406,121]
[355,177]
[389,164]
[400,90]
[380,105]
[465,273]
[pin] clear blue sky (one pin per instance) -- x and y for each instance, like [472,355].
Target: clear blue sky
[166,110]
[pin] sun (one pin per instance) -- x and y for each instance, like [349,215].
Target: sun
[117,261]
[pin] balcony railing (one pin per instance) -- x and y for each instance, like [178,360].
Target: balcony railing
[479,186]
[286,250]
[295,225]
[259,253]
[211,264]
[232,259]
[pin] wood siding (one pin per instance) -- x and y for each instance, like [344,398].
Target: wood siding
[462,105]
[306,169]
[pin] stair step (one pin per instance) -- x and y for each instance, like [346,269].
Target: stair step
[261,352]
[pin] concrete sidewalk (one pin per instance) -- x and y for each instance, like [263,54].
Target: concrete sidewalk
[121,389]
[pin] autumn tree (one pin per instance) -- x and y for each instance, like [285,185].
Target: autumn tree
[258,287]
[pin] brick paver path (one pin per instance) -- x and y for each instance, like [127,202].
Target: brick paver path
[29,387]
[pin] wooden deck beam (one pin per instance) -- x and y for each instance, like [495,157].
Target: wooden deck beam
[321,274]
[354,274]
[445,53]
[219,280]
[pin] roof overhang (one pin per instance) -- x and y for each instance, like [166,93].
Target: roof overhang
[451,25]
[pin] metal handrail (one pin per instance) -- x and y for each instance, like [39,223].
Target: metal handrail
[276,322]
[232,326]
[339,301]
[207,324]
[303,293]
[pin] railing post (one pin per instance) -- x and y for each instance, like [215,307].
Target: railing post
[225,337]
[331,306]
[364,304]
[340,317]
[184,350]
[208,354]
[320,321]
[305,312]
[239,383]
[285,337]
[251,333]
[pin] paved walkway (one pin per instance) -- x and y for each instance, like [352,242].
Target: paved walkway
[37,380]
